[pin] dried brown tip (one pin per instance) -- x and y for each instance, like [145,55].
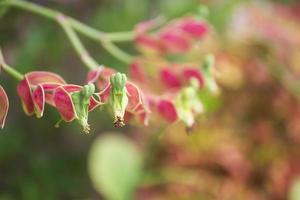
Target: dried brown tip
[119,122]
[86,129]
[189,129]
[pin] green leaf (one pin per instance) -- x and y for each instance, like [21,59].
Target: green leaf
[115,167]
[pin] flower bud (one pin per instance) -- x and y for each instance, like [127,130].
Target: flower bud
[188,104]
[118,97]
[207,67]
[81,102]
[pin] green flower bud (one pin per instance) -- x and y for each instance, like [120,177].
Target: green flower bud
[207,71]
[118,98]
[188,104]
[81,101]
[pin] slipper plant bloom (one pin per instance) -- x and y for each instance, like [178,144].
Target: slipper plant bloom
[174,37]
[71,101]
[185,105]
[175,77]
[74,102]
[123,96]
[34,90]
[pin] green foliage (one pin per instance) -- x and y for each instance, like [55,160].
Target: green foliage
[115,167]
[221,13]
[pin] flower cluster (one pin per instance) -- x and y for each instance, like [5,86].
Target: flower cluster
[71,101]
[174,37]
[176,97]
[40,87]
[124,97]
[179,99]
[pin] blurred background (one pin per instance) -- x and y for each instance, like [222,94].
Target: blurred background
[247,146]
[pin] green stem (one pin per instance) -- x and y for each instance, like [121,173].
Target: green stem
[12,72]
[76,43]
[116,51]
[77,25]
[106,39]
[9,70]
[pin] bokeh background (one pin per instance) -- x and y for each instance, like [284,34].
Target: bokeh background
[247,146]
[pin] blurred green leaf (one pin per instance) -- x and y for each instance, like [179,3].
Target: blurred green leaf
[3,11]
[221,14]
[177,8]
[210,102]
[115,167]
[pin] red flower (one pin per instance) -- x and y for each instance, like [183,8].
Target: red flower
[122,95]
[166,108]
[33,90]
[175,37]
[4,105]
[182,105]
[136,72]
[197,29]
[74,102]
[100,76]
[174,77]
[71,101]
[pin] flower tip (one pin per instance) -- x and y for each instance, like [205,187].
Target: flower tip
[189,129]
[39,115]
[86,129]
[58,123]
[119,122]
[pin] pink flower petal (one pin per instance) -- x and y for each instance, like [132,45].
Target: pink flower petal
[144,118]
[94,103]
[48,91]
[149,43]
[175,41]
[167,110]
[128,116]
[64,104]
[100,77]
[189,73]
[169,78]
[134,97]
[37,77]
[50,86]
[72,88]
[93,75]
[38,97]
[136,72]
[24,93]
[4,105]
[195,28]
[104,94]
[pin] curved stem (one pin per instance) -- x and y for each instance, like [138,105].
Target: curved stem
[9,70]
[76,43]
[104,38]
[116,51]
[12,72]
[77,25]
